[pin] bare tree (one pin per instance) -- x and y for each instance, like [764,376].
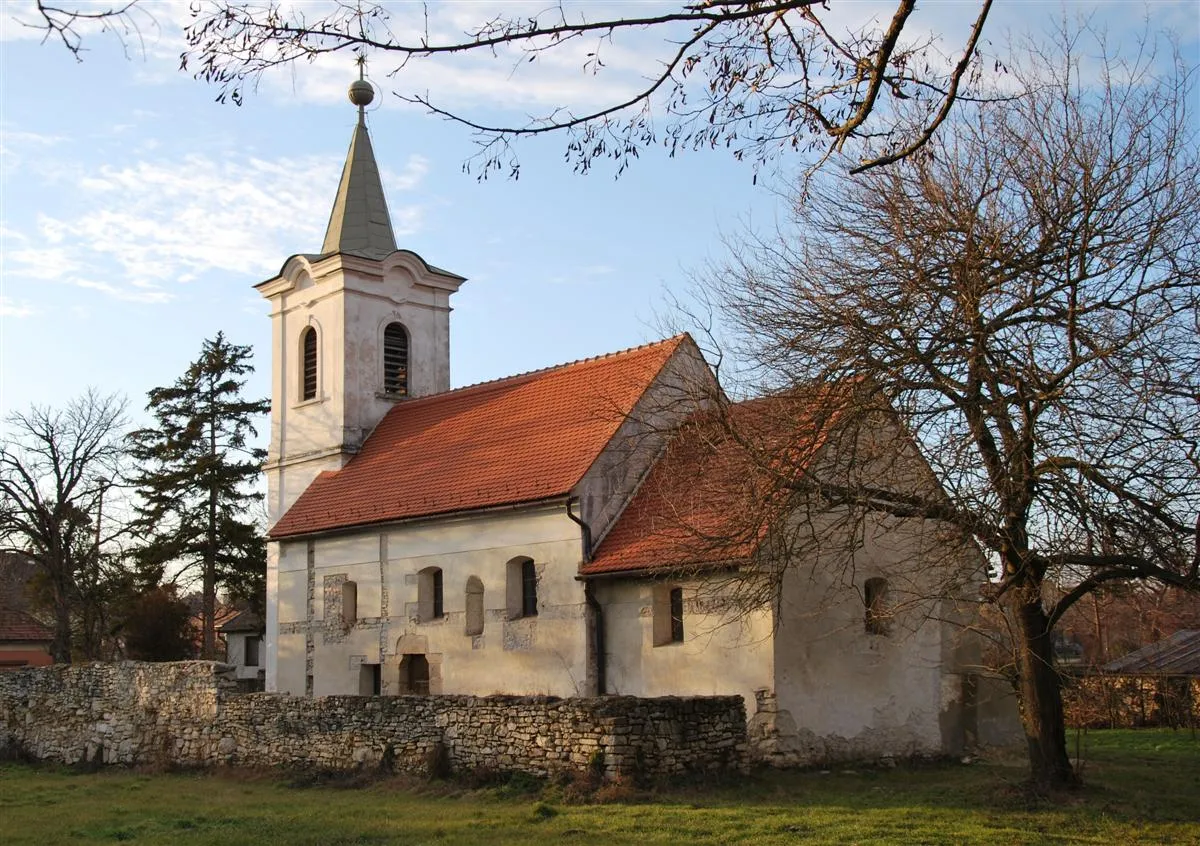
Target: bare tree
[68,22]
[1025,294]
[55,465]
[758,78]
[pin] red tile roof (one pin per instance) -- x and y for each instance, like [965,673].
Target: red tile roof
[715,491]
[20,627]
[521,439]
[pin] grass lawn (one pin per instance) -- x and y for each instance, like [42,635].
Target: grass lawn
[1142,787]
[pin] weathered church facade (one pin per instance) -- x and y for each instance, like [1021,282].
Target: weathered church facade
[522,536]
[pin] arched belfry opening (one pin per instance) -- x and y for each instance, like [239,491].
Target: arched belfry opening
[308,363]
[395,360]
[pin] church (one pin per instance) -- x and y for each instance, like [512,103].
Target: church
[581,530]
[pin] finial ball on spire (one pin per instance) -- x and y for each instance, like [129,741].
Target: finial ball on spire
[361,93]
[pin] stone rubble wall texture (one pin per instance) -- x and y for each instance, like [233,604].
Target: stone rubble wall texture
[190,714]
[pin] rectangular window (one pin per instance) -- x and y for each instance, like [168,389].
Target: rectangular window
[438,608]
[528,589]
[667,614]
[251,651]
[677,615]
[349,603]
[370,680]
[875,598]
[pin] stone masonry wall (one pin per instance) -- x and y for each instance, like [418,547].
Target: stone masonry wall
[189,714]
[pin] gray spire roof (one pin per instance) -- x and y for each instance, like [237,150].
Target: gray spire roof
[360,224]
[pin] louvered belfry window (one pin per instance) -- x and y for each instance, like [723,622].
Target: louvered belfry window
[395,360]
[308,389]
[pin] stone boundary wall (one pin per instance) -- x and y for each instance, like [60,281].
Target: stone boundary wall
[190,714]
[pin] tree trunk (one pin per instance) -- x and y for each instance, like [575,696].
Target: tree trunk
[1040,692]
[209,614]
[60,647]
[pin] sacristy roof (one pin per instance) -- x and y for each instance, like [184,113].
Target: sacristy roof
[20,627]
[719,486]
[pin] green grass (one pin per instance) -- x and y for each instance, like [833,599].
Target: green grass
[1142,787]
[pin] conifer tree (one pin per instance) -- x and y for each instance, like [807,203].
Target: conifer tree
[196,471]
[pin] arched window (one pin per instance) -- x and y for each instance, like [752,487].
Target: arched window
[875,598]
[308,363]
[474,607]
[522,588]
[414,675]
[395,360]
[429,595]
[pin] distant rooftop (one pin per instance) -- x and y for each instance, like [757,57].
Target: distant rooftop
[1177,655]
[19,627]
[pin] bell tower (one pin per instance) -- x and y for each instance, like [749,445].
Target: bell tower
[355,329]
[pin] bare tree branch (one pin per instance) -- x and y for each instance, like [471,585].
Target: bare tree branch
[1025,294]
[761,79]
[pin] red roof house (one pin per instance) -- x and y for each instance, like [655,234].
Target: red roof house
[24,641]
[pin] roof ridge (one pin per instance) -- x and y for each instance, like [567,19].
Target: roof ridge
[561,366]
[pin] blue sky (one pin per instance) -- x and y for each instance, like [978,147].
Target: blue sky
[136,213]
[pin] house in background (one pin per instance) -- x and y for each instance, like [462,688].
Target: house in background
[24,641]
[535,534]
[243,634]
[1157,685]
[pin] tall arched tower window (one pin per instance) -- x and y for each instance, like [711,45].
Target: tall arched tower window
[308,363]
[395,360]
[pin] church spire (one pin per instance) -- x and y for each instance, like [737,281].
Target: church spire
[359,223]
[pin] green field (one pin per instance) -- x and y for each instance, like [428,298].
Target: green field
[1142,787]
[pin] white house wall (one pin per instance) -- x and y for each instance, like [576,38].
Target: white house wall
[842,691]
[235,655]
[542,654]
[721,653]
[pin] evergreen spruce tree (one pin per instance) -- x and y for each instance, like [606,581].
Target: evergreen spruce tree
[196,472]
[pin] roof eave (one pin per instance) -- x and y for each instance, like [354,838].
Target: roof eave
[663,571]
[544,502]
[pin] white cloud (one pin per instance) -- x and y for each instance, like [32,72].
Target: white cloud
[135,230]
[15,308]
[414,171]
[117,292]
[39,262]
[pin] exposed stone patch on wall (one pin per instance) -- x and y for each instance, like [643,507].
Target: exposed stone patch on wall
[188,713]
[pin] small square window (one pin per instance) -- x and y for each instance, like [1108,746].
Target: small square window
[251,651]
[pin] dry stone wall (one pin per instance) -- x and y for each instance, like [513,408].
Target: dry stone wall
[190,714]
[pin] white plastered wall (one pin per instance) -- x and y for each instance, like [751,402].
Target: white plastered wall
[235,655]
[723,652]
[852,693]
[542,654]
